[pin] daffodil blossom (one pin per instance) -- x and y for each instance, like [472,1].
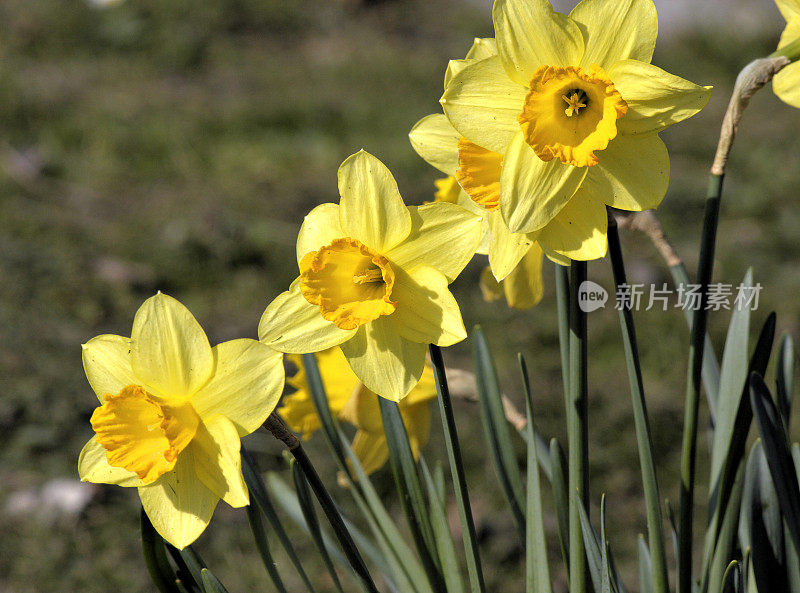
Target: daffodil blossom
[351,402]
[173,410]
[786,83]
[374,276]
[574,107]
[515,262]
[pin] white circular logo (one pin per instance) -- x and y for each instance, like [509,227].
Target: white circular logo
[591,296]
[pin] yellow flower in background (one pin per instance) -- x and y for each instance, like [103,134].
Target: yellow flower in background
[173,410]
[786,83]
[351,402]
[574,107]
[474,182]
[374,276]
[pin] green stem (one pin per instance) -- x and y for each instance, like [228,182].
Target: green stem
[577,430]
[693,383]
[655,527]
[790,50]
[457,471]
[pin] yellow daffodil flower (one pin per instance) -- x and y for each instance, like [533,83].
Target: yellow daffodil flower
[474,182]
[786,83]
[173,410]
[351,402]
[572,107]
[374,277]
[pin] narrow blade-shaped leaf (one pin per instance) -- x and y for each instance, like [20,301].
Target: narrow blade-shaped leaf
[496,428]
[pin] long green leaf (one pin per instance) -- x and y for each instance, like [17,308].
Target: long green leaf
[453,447]
[762,524]
[785,379]
[710,364]
[262,545]
[558,483]
[155,557]
[409,490]
[645,567]
[441,529]
[257,490]
[407,572]
[211,583]
[287,500]
[733,581]
[733,376]
[577,408]
[735,454]
[723,551]
[309,514]
[778,454]
[318,395]
[641,421]
[537,573]
[693,381]
[496,428]
[334,518]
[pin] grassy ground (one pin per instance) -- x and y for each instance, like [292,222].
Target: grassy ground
[177,145]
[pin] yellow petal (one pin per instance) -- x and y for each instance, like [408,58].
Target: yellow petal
[789,8]
[530,33]
[371,449]
[320,227]
[786,84]
[656,99]
[555,257]
[443,236]
[426,311]
[170,351]
[618,30]
[523,287]
[93,466]
[363,410]
[483,103]
[246,385]
[436,140]
[579,230]
[371,209]
[534,191]
[217,460]
[179,505]
[633,174]
[423,392]
[384,361]
[107,364]
[292,324]
[482,48]
[505,248]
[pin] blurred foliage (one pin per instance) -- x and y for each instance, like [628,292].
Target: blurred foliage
[176,145]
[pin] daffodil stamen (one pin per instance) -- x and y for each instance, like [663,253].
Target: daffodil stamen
[575,102]
[350,283]
[370,275]
[553,132]
[142,435]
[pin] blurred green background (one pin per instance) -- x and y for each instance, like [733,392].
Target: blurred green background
[176,145]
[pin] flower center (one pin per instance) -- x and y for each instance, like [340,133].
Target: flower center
[349,282]
[142,435]
[479,173]
[588,123]
[575,102]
